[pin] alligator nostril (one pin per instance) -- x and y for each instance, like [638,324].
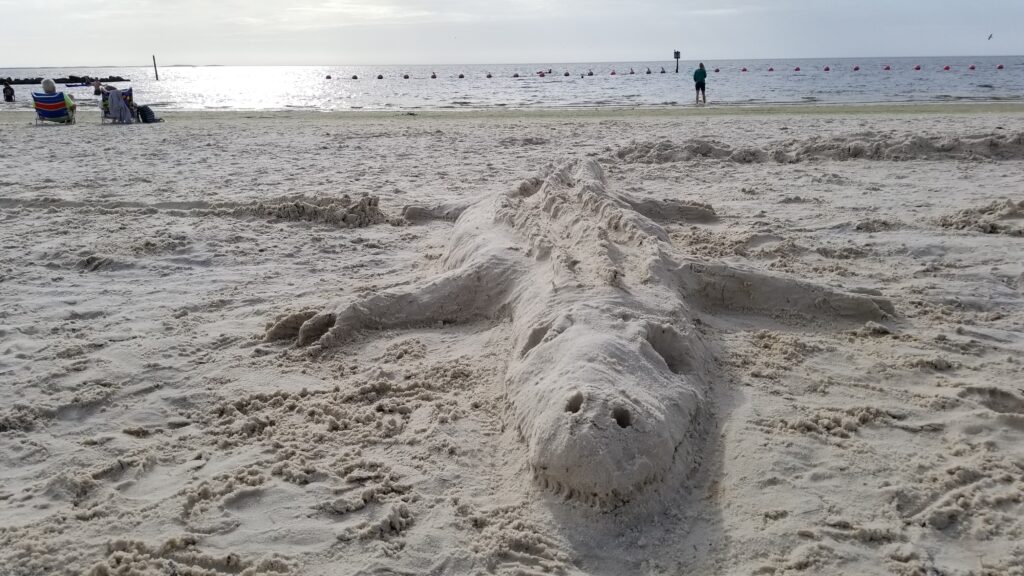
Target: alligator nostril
[622,417]
[574,403]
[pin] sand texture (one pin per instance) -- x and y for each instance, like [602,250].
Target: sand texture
[597,343]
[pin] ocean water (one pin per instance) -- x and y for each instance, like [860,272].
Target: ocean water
[307,88]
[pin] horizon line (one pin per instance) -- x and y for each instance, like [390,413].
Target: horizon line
[551,63]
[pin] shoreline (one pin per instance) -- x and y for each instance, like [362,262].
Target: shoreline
[884,108]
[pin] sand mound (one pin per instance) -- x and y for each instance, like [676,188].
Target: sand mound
[1001,217]
[867,146]
[876,225]
[667,151]
[523,141]
[341,212]
[96,263]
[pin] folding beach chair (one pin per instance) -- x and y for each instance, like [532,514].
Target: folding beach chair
[117,117]
[52,108]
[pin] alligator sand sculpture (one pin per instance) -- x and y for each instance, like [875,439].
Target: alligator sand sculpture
[610,377]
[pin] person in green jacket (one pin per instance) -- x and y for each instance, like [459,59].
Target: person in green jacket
[699,76]
[50,87]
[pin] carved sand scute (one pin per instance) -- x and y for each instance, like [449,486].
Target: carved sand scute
[608,382]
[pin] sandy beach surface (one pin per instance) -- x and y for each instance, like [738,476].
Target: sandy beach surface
[855,405]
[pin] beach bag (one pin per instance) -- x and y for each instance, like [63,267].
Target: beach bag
[147,115]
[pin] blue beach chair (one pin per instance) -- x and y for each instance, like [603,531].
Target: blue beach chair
[52,108]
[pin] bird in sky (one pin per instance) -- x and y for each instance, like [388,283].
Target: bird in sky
[990,36]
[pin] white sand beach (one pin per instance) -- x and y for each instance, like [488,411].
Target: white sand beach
[854,405]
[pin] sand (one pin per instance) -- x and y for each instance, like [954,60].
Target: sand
[148,425]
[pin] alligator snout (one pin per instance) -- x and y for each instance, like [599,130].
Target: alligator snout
[602,417]
[601,450]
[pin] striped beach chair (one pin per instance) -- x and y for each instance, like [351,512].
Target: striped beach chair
[52,108]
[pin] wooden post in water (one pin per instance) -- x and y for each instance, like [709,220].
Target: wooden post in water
[677,60]
[155,71]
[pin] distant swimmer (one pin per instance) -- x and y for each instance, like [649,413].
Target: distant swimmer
[662,69]
[631,71]
[648,70]
[700,75]
[433,75]
[590,72]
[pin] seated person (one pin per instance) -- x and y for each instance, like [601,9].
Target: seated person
[49,87]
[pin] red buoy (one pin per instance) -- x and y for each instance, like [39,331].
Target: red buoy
[856,68]
[827,69]
[797,69]
[743,69]
[971,67]
[946,67]
[613,72]
[770,69]
[917,67]
[887,68]
[999,67]
[541,74]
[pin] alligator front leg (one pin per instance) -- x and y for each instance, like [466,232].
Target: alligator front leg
[723,286]
[476,290]
[449,211]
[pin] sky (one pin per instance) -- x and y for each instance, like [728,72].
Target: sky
[330,32]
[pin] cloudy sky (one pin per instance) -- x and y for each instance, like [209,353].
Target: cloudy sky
[119,32]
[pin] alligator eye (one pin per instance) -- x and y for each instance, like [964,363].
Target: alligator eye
[670,345]
[535,338]
[574,403]
[622,417]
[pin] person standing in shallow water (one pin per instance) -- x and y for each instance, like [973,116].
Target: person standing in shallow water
[8,92]
[699,77]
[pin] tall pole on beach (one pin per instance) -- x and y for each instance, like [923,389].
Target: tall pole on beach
[155,71]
